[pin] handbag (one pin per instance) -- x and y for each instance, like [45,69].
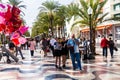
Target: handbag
[28,44]
[115,48]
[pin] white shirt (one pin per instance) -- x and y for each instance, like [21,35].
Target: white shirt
[52,41]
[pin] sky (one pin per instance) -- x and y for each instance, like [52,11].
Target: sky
[32,10]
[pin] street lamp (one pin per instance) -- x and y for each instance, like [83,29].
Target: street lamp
[91,54]
[49,32]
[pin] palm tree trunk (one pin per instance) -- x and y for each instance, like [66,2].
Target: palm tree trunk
[51,24]
[93,41]
[61,31]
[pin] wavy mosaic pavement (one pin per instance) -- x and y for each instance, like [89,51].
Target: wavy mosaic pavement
[40,68]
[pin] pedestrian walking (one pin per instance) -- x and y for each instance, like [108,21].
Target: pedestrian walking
[86,47]
[64,52]
[44,46]
[52,41]
[18,50]
[104,45]
[57,53]
[32,47]
[111,46]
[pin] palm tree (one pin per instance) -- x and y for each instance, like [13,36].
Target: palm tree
[50,7]
[60,20]
[41,25]
[43,22]
[96,17]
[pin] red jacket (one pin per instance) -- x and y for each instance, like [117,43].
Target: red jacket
[104,42]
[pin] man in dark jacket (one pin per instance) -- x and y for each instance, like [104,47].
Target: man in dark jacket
[111,46]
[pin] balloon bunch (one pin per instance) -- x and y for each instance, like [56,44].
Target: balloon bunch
[10,21]
[10,18]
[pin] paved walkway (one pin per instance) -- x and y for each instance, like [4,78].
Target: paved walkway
[40,68]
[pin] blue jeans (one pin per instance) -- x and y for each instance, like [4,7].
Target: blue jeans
[111,51]
[76,57]
[105,52]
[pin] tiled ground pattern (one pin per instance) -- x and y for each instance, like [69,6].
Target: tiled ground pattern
[40,68]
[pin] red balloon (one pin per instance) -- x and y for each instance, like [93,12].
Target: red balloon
[12,20]
[1,29]
[15,35]
[15,41]
[8,14]
[15,11]
[2,26]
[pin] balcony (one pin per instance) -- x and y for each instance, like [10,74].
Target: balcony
[115,1]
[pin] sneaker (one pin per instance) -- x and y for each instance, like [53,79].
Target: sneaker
[59,68]
[74,68]
[56,66]
[23,58]
[63,66]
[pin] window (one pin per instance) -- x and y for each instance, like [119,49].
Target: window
[117,7]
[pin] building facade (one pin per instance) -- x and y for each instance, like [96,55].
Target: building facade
[108,28]
[115,5]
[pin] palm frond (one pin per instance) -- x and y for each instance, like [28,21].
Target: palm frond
[81,12]
[102,17]
[84,4]
[22,6]
[71,10]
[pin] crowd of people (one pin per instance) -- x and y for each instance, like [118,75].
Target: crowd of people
[61,49]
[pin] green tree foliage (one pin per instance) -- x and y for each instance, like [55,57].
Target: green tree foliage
[50,8]
[97,16]
[72,10]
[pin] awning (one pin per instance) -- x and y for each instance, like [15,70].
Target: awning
[98,27]
[85,30]
[103,27]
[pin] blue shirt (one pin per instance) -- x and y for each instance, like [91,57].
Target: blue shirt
[72,42]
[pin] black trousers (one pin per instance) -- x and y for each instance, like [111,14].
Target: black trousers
[18,49]
[32,52]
